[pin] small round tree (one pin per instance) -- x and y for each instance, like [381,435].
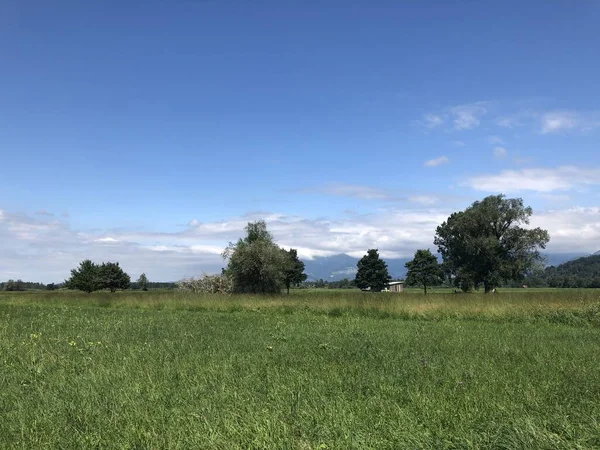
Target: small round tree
[112,277]
[85,278]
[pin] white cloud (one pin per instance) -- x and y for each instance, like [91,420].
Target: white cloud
[47,253]
[556,121]
[437,161]
[571,230]
[559,121]
[500,152]
[433,120]
[538,180]
[106,240]
[466,117]
[495,140]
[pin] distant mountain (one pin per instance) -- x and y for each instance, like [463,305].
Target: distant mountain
[578,273]
[597,253]
[555,259]
[338,267]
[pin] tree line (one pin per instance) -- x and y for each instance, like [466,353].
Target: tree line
[579,273]
[483,246]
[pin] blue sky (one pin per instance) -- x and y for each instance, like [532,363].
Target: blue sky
[150,133]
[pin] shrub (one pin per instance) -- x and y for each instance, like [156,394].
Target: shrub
[207,284]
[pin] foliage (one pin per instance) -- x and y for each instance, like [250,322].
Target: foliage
[206,284]
[86,278]
[112,277]
[372,272]
[142,282]
[485,244]
[90,277]
[256,264]
[293,270]
[579,273]
[12,285]
[424,270]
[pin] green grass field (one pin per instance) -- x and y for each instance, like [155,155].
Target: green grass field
[315,370]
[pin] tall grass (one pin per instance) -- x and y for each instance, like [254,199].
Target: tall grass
[309,371]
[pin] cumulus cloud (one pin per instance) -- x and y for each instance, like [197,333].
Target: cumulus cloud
[538,180]
[571,230]
[437,161]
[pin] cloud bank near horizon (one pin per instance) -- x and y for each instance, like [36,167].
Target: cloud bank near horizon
[45,248]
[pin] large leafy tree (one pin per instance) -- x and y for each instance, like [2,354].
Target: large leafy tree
[486,244]
[85,278]
[255,262]
[293,270]
[372,272]
[112,277]
[424,270]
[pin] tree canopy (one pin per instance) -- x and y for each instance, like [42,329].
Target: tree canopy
[90,277]
[112,277]
[256,264]
[85,278]
[293,270]
[372,272]
[579,273]
[485,244]
[424,270]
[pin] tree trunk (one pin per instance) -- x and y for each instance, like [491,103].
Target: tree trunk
[425,288]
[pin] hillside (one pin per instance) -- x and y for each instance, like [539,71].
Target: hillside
[579,273]
[338,267]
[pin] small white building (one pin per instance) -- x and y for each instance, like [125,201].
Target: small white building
[395,286]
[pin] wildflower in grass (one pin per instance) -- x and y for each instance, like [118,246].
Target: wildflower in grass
[72,343]
[270,348]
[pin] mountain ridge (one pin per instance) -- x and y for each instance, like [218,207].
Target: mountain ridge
[340,266]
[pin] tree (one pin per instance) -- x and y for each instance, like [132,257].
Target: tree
[293,271]
[85,278]
[372,272]
[485,244]
[142,282]
[424,270]
[112,277]
[255,263]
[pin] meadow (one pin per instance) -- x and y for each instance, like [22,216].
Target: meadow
[313,370]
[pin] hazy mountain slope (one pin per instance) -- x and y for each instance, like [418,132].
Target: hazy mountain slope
[338,267]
